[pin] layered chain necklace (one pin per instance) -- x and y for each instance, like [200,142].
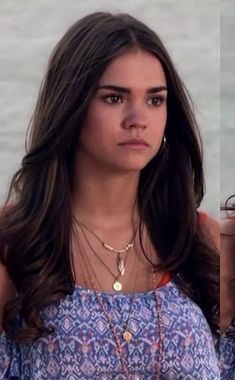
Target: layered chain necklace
[127,334]
[121,254]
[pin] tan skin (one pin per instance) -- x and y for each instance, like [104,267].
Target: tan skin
[227,274]
[104,196]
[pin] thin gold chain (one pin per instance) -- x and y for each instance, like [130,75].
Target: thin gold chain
[87,266]
[136,270]
[117,340]
[116,277]
[111,325]
[105,245]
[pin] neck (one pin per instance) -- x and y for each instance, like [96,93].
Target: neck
[105,198]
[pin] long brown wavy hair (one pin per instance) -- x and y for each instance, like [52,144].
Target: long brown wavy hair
[35,230]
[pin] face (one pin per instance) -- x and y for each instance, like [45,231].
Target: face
[127,115]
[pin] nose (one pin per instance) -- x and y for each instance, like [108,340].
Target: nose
[135,119]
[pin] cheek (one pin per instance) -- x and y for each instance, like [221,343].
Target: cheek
[101,124]
[91,126]
[159,123]
[97,117]
[97,132]
[163,116]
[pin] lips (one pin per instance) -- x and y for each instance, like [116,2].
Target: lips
[136,142]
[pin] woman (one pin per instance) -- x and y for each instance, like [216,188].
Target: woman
[102,239]
[227,294]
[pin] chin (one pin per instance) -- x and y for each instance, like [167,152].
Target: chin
[132,166]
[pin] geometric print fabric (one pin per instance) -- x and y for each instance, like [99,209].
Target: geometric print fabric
[82,345]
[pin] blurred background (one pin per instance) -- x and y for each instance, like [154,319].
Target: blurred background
[191,32]
[227,125]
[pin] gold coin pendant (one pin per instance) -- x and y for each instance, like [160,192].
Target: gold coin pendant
[117,286]
[127,336]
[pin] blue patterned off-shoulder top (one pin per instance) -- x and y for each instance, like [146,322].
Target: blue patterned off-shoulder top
[82,345]
[227,354]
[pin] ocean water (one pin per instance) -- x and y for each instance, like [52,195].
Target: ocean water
[227,124]
[190,31]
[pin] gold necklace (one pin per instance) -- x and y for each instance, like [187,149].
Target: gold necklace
[117,286]
[117,340]
[121,262]
[127,334]
[108,247]
[86,264]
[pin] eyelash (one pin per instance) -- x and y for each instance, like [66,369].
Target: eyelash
[110,96]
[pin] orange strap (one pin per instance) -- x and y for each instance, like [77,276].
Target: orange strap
[202,217]
[165,279]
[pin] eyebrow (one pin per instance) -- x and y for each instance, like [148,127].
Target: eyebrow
[125,90]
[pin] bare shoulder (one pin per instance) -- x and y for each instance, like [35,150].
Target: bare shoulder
[7,289]
[211,227]
[227,227]
[227,240]
[227,246]
[227,273]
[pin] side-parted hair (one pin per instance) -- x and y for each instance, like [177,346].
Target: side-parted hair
[35,231]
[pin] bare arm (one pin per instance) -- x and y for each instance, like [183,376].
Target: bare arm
[7,290]
[227,274]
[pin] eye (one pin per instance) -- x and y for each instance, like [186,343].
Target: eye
[156,101]
[113,99]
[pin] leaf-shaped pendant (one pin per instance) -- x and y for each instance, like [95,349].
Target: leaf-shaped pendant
[121,266]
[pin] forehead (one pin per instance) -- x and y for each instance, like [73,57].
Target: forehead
[135,68]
